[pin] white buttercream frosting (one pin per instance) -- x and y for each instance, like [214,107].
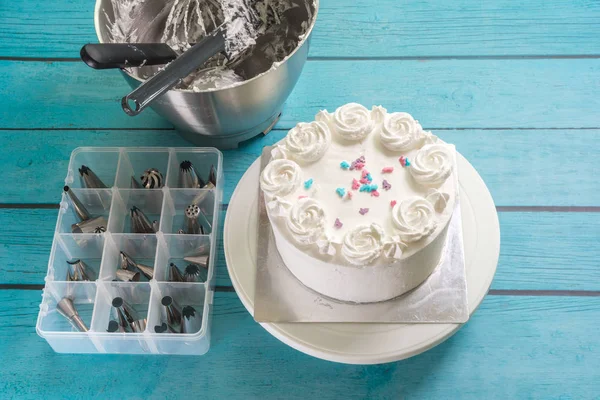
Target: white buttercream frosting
[393,247]
[360,245]
[307,142]
[353,122]
[306,221]
[279,207]
[438,199]
[432,165]
[413,219]
[326,246]
[363,244]
[401,132]
[280,177]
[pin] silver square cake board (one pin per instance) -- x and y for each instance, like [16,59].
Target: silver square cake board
[281,297]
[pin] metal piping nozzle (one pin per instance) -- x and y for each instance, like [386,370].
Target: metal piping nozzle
[172,312]
[90,179]
[67,309]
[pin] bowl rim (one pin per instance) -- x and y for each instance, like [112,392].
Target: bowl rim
[98,10]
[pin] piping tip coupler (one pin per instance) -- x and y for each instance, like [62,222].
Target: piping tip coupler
[67,309]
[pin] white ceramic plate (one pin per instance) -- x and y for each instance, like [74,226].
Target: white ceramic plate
[355,343]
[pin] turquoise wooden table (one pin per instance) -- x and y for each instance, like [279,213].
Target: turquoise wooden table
[515,85]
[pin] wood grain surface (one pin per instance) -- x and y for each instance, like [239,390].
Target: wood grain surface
[513,84]
[551,93]
[360,28]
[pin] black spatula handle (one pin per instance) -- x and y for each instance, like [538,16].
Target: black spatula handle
[122,55]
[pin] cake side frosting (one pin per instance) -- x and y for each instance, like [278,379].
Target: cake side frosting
[357,196]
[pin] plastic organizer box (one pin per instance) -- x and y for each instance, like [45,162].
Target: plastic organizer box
[101,251]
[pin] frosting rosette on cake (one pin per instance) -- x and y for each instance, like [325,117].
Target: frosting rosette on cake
[438,199]
[400,132]
[280,177]
[353,121]
[413,219]
[432,165]
[306,221]
[363,244]
[307,142]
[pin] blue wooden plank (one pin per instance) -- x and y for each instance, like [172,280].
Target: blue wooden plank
[441,93]
[513,347]
[539,251]
[520,167]
[359,28]
[68,95]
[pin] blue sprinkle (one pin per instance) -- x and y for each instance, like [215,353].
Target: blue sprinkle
[364,188]
[344,165]
[407,163]
[308,184]
[341,192]
[373,188]
[369,177]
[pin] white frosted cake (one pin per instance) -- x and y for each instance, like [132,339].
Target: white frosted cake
[360,201]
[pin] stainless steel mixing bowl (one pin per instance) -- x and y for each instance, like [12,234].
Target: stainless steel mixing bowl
[223,117]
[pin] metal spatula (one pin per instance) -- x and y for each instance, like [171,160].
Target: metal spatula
[238,20]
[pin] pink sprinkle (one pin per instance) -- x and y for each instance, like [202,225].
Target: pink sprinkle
[355,184]
[302,197]
[375,193]
[387,170]
[364,173]
[403,161]
[359,165]
[349,194]
[392,203]
[338,224]
[364,181]
[363,211]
